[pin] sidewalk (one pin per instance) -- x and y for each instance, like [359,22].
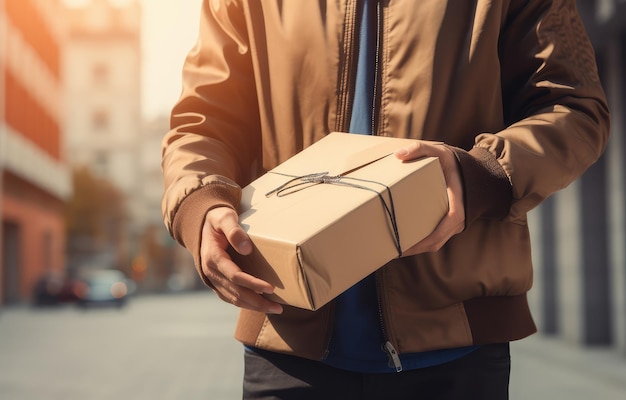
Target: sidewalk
[549,368]
[541,367]
[181,347]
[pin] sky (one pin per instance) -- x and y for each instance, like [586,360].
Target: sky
[169,31]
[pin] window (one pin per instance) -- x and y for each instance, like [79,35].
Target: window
[100,120]
[100,74]
[604,9]
[47,250]
[100,163]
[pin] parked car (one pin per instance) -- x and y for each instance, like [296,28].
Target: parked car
[53,288]
[103,287]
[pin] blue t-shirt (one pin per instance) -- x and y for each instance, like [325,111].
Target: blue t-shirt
[357,341]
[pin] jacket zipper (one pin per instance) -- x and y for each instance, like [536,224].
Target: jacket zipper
[387,346]
[348,76]
[377,68]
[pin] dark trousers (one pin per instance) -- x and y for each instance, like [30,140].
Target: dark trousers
[481,375]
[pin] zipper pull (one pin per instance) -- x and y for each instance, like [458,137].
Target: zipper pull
[394,359]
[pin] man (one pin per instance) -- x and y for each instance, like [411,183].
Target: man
[505,93]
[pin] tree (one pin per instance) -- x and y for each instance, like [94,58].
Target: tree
[95,217]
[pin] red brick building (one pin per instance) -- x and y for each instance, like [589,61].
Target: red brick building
[34,178]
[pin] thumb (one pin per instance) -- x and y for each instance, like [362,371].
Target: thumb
[226,221]
[420,148]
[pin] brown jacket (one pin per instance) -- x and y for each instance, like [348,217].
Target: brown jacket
[512,85]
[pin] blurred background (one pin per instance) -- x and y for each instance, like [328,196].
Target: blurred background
[86,87]
[86,91]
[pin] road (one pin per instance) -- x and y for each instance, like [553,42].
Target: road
[180,347]
[158,347]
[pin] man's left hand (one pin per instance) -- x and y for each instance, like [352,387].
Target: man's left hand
[454,221]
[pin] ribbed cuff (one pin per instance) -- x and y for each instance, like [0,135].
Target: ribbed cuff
[487,189]
[189,219]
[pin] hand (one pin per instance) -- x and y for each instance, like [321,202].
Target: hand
[221,229]
[454,222]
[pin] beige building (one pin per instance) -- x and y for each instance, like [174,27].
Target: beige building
[169,266]
[102,75]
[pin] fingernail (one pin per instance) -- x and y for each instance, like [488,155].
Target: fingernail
[275,309]
[402,152]
[245,247]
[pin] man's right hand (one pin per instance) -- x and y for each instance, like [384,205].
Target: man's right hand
[221,229]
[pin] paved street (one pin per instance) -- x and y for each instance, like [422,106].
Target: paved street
[545,368]
[180,347]
[158,348]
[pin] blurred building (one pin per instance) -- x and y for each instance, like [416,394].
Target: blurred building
[150,189]
[168,265]
[34,178]
[102,73]
[580,233]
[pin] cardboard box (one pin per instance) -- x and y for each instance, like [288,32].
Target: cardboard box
[315,235]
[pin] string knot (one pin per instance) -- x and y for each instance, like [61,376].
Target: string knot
[298,183]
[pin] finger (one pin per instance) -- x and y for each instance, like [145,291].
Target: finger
[233,274]
[241,289]
[451,224]
[454,221]
[253,301]
[250,300]
[226,221]
[221,268]
[217,264]
[448,227]
[420,148]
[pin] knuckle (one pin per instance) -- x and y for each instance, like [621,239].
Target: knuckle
[233,232]
[208,274]
[209,270]
[437,246]
[431,247]
[221,218]
[231,275]
[238,276]
[415,146]
[210,263]
[229,299]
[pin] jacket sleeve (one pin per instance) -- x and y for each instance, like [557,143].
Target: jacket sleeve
[214,139]
[554,107]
